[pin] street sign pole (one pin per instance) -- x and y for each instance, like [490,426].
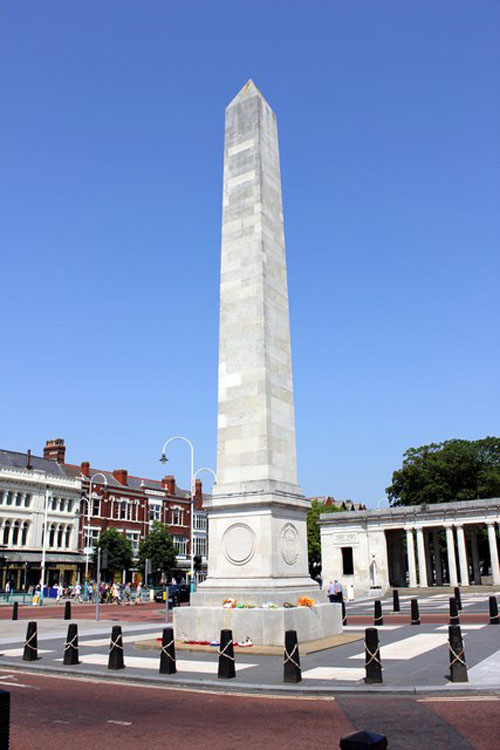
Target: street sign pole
[98,584]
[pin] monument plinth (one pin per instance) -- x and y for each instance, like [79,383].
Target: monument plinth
[257,513]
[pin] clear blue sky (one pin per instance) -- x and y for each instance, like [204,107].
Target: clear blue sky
[110,191]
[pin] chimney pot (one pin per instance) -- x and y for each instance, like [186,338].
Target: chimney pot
[121,475]
[85,468]
[168,483]
[55,450]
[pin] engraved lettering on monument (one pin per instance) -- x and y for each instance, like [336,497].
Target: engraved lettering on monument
[238,543]
[290,544]
[351,538]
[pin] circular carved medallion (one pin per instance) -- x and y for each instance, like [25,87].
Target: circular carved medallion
[289,544]
[238,543]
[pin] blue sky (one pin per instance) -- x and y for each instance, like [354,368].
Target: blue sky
[110,188]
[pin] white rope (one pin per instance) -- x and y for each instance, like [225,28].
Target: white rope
[289,657]
[456,657]
[223,652]
[164,650]
[28,642]
[373,656]
[71,644]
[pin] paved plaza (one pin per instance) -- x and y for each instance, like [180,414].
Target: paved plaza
[415,659]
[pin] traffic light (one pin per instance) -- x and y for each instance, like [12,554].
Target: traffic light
[197,563]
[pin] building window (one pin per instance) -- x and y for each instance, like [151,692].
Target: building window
[9,498]
[24,534]
[96,507]
[133,537]
[6,531]
[155,513]
[52,535]
[54,503]
[180,544]
[1,497]
[200,521]
[123,510]
[60,536]
[67,536]
[15,533]
[19,498]
[200,546]
[27,501]
[62,505]
[347,561]
[177,517]
[70,506]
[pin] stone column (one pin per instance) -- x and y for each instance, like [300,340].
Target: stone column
[462,557]
[422,568]
[476,568]
[412,569]
[437,557]
[452,563]
[428,558]
[492,539]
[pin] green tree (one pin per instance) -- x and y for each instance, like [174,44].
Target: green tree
[158,547]
[313,533]
[446,472]
[119,549]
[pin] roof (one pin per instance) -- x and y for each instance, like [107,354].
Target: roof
[16,460]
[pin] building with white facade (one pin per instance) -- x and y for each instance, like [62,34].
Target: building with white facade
[446,543]
[37,494]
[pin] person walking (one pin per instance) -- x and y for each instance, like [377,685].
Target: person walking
[138,593]
[331,592]
[337,590]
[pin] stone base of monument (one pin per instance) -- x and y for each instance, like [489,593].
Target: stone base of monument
[264,627]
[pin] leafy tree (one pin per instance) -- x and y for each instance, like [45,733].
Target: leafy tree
[158,547]
[119,548]
[445,472]
[313,533]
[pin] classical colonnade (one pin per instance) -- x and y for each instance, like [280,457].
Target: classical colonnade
[415,546]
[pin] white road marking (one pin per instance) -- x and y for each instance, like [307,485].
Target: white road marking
[20,651]
[144,662]
[459,698]
[464,626]
[379,627]
[120,723]
[349,674]
[18,684]
[487,672]
[126,639]
[409,648]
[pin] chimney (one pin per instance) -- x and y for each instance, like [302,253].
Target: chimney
[85,468]
[55,450]
[198,489]
[121,475]
[168,483]
[28,460]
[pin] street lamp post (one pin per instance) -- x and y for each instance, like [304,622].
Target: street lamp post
[89,500]
[163,460]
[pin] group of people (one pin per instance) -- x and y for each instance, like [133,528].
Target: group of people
[335,593]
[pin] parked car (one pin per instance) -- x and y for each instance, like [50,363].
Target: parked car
[177,594]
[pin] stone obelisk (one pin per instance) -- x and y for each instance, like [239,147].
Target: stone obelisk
[257,515]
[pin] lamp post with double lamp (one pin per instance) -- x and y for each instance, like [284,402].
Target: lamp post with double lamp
[163,460]
[198,471]
[88,500]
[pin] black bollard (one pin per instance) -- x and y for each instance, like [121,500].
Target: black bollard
[115,660]
[363,741]
[378,618]
[67,611]
[344,614]
[31,643]
[226,656]
[395,601]
[71,647]
[15,613]
[373,666]
[4,719]
[415,614]
[291,665]
[167,655]
[494,618]
[458,597]
[454,618]
[458,668]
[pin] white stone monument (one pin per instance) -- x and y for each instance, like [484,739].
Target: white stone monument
[257,514]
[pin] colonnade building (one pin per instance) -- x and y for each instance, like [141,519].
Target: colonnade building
[415,546]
